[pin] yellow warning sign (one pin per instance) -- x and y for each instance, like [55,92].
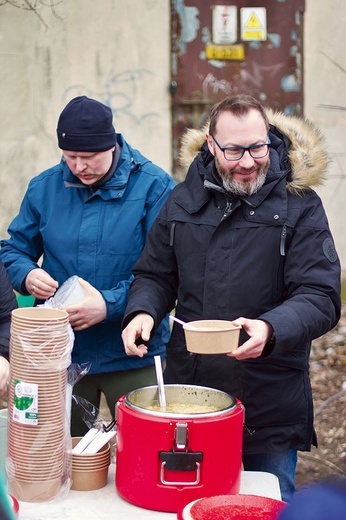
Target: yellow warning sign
[224,52]
[253,22]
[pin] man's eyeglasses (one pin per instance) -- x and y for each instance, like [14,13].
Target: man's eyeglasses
[235,153]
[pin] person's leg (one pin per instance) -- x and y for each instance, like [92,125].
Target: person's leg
[116,384]
[87,388]
[282,464]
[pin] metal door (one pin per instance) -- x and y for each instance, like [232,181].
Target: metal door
[224,47]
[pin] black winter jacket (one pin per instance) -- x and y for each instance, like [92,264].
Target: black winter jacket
[8,303]
[268,256]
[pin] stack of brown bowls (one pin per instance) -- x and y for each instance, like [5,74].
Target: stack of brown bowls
[90,471]
[40,353]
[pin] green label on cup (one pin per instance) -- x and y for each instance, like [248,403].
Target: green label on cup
[31,415]
[25,402]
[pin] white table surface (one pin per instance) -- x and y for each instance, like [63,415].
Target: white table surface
[105,503]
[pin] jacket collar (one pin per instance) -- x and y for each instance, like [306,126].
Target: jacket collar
[300,150]
[203,183]
[116,184]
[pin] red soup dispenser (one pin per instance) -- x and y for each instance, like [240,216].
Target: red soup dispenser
[165,458]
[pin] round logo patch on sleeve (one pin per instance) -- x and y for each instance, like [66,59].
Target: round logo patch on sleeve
[329,250]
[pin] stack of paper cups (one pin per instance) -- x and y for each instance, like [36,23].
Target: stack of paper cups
[40,353]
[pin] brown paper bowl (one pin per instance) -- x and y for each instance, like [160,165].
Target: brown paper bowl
[211,336]
[90,471]
[89,480]
[28,491]
[33,315]
[92,467]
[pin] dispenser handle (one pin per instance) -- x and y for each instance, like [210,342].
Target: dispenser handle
[180,483]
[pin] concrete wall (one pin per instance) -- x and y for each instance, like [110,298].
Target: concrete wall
[114,50]
[118,51]
[325,101]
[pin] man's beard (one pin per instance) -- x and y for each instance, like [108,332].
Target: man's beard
[241,189]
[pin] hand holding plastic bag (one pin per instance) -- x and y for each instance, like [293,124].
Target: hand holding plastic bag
[70,293]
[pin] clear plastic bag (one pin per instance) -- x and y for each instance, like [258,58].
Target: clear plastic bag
[69,293]
[91,415]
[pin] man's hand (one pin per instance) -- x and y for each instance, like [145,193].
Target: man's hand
[40,284]
[91,310]
[140,327]
[259,331]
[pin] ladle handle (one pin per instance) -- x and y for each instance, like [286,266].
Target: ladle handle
[160,383]
[183,323]
[173,318]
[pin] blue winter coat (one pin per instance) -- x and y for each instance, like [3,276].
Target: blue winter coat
[95,235]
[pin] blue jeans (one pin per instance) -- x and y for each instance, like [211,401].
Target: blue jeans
[282,464]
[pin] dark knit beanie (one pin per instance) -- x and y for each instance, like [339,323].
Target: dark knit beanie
[85,125]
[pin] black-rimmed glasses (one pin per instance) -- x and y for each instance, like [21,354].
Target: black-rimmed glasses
[235,153]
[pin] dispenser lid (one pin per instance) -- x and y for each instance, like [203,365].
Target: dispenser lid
[232,507]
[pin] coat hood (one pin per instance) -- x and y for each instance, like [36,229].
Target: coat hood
[306,152]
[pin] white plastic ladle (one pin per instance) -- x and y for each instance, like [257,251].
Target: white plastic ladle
[183,323]
[160,383]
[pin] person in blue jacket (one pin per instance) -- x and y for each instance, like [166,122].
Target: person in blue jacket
[89,216]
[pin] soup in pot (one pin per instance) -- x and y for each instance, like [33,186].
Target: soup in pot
[183,408]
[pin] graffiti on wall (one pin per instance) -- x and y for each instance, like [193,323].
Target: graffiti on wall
[118,93]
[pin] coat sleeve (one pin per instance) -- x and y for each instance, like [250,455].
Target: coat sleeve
[21,252]
[154,288]
[312,275]
[8,302]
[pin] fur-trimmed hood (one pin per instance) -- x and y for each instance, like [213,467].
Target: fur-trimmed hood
[307,152]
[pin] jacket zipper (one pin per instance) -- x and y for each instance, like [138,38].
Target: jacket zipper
[228,209]
[171,235]
[283,241]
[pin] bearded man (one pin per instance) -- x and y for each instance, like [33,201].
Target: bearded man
[246,238]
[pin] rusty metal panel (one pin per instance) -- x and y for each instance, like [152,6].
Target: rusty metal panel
[270,69]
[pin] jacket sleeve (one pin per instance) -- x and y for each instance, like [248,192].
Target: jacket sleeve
[8,302]
[312,275]
[116,299]
[154,290]
[21,252]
